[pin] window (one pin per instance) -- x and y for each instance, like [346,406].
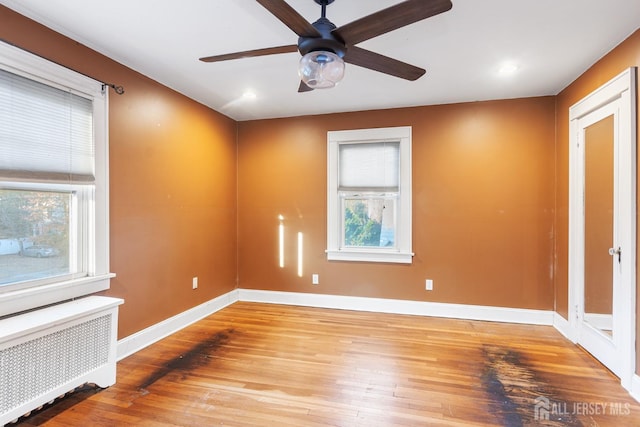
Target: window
[53,183]
[369,195]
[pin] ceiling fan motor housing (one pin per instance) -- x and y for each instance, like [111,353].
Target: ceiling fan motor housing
[327,41]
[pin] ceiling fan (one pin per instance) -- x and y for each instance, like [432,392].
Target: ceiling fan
[325,48]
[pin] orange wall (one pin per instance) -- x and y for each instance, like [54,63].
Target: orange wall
[626,55]
[172,185]
[483,195]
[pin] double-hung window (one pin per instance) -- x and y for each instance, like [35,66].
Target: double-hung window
[369,195]
[53,183]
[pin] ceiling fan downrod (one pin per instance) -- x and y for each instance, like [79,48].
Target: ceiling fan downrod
[327,41]
[324,4]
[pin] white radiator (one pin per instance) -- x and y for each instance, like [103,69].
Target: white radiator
[48,352]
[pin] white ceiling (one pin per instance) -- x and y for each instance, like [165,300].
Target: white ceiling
[551,41]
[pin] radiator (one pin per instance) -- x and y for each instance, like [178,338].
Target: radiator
[48,352]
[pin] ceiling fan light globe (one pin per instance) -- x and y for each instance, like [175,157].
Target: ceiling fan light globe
[321,69]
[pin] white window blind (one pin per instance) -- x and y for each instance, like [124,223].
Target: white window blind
[370,167]
[46,134]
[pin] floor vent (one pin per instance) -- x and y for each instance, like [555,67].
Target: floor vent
[48,352]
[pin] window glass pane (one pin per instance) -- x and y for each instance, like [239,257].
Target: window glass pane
[34,234]
[369,222]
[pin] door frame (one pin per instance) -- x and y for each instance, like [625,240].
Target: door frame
[621,89]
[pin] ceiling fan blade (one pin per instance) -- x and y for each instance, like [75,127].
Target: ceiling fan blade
[289,17]
[251,53]
[390,19]
[303,87]
[374,61]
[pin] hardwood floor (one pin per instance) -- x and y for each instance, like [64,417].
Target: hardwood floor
[270,365]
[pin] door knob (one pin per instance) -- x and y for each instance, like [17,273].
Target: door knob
[614,252]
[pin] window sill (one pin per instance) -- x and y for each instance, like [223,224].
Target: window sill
[370,256]
[25,299]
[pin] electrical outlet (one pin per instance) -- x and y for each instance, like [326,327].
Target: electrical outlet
[315,279]
[428,285]
[194,283]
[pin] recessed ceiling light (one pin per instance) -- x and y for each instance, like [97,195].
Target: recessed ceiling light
[249,95]
[507,69]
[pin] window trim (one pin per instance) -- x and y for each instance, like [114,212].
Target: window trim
[402,253]
[98,277]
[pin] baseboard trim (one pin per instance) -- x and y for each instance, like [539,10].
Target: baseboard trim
[419,308]
[563,326]
[635,387]
[136,342]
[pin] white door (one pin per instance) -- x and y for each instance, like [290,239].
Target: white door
[602,257]
[602,244]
